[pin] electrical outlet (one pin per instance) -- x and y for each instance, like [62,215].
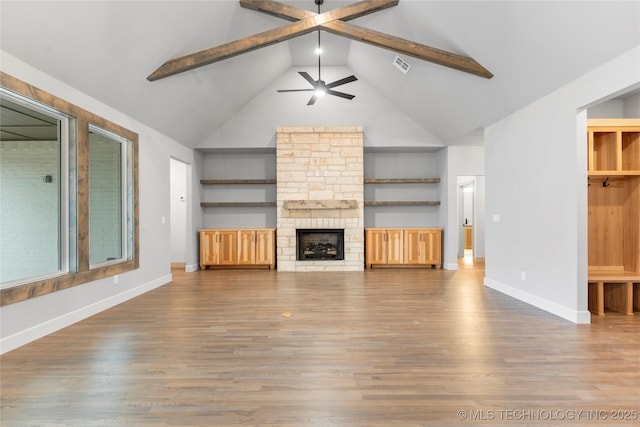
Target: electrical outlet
[496,217]
[523,275]
[115,279]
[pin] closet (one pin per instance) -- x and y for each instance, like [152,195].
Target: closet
[614,215]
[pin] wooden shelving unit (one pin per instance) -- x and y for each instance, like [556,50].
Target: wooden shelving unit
[236,181]
[236,204]
[402,180]
[266,181]
[402,203]
[381,181]
[614,215]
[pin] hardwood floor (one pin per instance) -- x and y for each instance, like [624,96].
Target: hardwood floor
[384,347]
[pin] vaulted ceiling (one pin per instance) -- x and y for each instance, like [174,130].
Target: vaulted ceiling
[108,48]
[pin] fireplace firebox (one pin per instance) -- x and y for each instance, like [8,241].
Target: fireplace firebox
[320,244]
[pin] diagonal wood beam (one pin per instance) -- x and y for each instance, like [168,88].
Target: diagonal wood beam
[416,50]
[266,38]
[375,38]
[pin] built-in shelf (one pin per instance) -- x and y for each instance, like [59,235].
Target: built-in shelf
[235,204]
[236,181]
[401,180]
[402,203]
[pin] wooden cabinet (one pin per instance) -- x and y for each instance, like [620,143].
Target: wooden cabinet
[468,237]
[383,246]
[613,210]
[403,246]
[237,247]
[217,247]
[422,246]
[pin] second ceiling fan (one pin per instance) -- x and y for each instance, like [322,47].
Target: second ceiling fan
[320,87]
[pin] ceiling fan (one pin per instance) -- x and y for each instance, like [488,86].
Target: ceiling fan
[320,87]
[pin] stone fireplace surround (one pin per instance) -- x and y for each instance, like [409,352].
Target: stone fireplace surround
[320,185]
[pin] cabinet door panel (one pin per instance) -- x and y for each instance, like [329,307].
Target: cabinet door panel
[228,251]
[432,243]
[375,250]
[246,247]
[395,247]
[264,247]
[414,247]
[208,248]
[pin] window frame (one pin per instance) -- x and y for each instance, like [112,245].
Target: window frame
[83,274]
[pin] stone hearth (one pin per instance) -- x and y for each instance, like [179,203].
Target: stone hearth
[320,176]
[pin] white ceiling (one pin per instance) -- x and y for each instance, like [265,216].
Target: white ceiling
[108,48]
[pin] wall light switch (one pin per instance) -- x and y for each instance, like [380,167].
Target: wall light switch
[496,217]
[115,279]
[523,275]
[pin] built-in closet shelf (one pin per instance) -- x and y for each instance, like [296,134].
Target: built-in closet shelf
[614,173]
[236,181]
[236,204]
[402,203]
[401,180]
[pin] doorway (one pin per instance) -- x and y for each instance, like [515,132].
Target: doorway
[179,213]
[470,226]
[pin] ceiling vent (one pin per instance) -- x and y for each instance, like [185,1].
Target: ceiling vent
[401,65]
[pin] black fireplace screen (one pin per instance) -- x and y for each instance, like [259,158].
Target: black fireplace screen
[320,244]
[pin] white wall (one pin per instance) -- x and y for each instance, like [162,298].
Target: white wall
[536,182]
[384,123]
[25,321]
[632,106]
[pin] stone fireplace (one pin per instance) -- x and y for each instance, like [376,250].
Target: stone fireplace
[320,178]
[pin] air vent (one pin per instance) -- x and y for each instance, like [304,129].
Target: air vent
[401,65]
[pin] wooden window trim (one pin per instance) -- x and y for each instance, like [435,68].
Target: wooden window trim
[83,274]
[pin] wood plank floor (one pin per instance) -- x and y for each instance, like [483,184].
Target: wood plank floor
[384,347]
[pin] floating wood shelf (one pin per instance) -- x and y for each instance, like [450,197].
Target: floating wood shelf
[402,203]
[236,181]
[235,204]
[401,180]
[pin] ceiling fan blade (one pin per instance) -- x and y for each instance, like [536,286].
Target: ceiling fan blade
[340,94]
[295,90]
[312,100]
[342,82]
[307,77]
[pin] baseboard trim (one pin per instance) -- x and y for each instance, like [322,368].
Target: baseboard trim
[190,268]
[33,333]
[575,316]
[450,266]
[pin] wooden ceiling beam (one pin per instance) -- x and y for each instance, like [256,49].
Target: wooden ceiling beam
[334,21]
[407,47]
[375,38]
[266,38]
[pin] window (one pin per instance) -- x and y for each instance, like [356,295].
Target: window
[110,192]
[68,194]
